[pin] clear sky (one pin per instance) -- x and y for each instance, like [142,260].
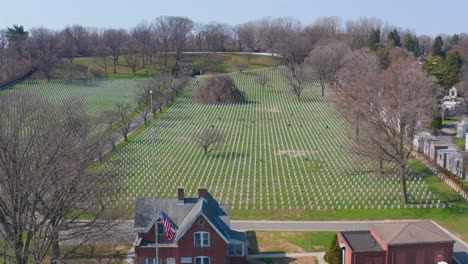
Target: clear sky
[429,17]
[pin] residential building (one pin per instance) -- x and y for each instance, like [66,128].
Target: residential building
[200,228]
[397,243]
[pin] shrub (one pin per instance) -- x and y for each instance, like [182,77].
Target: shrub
[219,89]
[333,254]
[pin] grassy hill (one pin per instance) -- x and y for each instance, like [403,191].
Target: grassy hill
[209,62]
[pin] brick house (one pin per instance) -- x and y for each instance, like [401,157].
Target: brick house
[201,232]
[397,243]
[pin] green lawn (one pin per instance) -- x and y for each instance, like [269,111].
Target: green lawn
[209,62]
[290,242]
[279,161]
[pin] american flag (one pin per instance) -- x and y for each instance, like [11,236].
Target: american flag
[167,226]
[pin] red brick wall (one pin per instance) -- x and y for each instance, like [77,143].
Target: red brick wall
[420,254]
[147,252]
[370,257]
[218,247]
[348,252]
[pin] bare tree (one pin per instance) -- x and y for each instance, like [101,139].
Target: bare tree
[44,51]
[115,40]
[392,104]
[262,80]
[425,44]
[209,139]
[326,60]
[44,185]
[110,117]
[241,66]
[179,28]
[163,34]
[134,61]
[142,36]
[356,65]
[123,109]
[215,35]
[248,35]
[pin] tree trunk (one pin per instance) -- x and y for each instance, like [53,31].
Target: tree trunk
[126,137]
[116,60]
[165,58]
[381,167]
[206,151]
[55,249]
[404,198]
[357,128]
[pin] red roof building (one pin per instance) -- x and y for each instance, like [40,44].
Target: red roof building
[200,232]
[397,243]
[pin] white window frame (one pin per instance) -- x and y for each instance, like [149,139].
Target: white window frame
[242,246]
[201,258]
[202,244]
[150,261]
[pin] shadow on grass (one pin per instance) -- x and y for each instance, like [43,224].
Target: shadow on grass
[225,155]
[282,260]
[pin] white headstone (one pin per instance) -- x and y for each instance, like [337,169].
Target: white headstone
[453,92]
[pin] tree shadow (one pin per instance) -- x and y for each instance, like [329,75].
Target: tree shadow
[225,155]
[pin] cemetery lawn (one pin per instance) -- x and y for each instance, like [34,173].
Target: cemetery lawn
[209,62]
[282,159]
[454,218]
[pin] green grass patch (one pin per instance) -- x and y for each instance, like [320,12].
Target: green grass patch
[289,242]
[460,142]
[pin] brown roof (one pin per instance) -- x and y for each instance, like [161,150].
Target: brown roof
[423,232]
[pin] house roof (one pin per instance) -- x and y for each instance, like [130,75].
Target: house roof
[423,232]
[361,241]
[184,215]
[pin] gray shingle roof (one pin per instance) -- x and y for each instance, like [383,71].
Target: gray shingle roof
[422,232]
[184,215]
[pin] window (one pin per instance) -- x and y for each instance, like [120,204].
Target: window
[160,229]
[236,250]
[202,239]
[202,260]
[149,261]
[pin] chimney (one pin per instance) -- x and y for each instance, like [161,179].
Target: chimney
[180,195]
[202,192]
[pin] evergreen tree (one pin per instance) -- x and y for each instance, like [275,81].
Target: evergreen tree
[438,47]
[412,44]
[446,71]
[454,40]
[16,34]
[374,40]
[394,38]
[333,254]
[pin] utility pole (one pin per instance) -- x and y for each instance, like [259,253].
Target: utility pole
[153,143]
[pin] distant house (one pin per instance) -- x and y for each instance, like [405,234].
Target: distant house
[418,141]
[199,228]
[435,147]
[427,146]
[397,243]
[442,157]
[457,162]
[462,129]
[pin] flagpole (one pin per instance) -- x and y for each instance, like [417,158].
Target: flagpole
[154,180]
